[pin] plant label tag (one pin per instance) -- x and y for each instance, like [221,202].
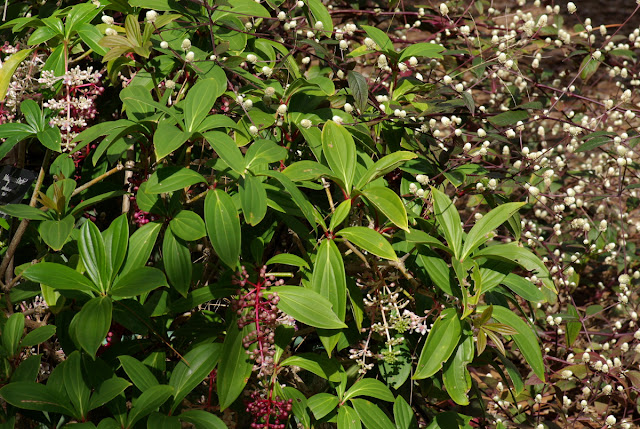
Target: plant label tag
[14,184]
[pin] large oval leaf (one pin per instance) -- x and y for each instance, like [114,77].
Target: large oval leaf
[235,366]
[223,226]
[389,204]
[192,369]
[59,276]
[173,178]
[188,225]
[90,326]
[339,150]
[199,101]
[308,307]
[448,219]
[370,240]
[177,262]
[441,342]
[488,223]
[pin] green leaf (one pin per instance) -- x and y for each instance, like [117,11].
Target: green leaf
[389,204]
[441,342]
[384,166]
[24,211]
[589,66]
[371,415]
[199,102]
[32,114]
[9,66]
[320,365]
[177,262]
[422,50]
[308,306]
[227,150]
[348,418]
[188,226]
[253,199]
[35,396]
[168,138]
[75,385]
[190,371]
[359,89]
[369,387]
[50,138]
[403,414]
[92,252]
[116,241]
[138,372]
[56,232]
[149,401]
[28,370]
[235,366]
[38,336]
[159,421]
[573,326]
[59,276]
[297,196]
[487,224]
[506,119]
[381,39]
[370,240]
[12,333]
[202,419]
[322,404]
[108,390]
[41,35]
[173,178]
[91,36]
[141,244]
[264,151]
[216,121]
[523,287]
[448,219]
[329,278]
[340,214]
[339,150]
[306,170]
[526,338]
[455,375]
[288,259]
[223,226]
[320,13]
[138,281]
[91,324]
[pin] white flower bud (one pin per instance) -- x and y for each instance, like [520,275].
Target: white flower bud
[571,7]
[282,109]
[444,10]
[253,130]
[252,58]
[190,56]
[151,15]
[282,16]
[343,45]
[110,32]
[413,61]
[186,44]
[319,26]
[447,80]
[164,44]
[107,19]
[348,108]
[306,123]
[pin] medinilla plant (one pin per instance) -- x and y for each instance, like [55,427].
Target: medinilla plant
[238,240]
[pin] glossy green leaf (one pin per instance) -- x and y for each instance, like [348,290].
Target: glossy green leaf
[56,232]
[264,151]
[369,387]
[199,102]
[190,371]
[253,198]
[50,138]
[380,37]
[173,178]
[320,365]
[329,278]
[77,389]
[177,262]
[93,254]
[59,276]
[309,307]
[149,401]
[168,138]
[9,66]
[306,170]
[138,372]
[28,370]
[33,114]
[202,419]
[340,214]
[116,242]
[12,333]
[384,166]
[523,287]
[322,404]
[297,196]
[508,118]
[487,224]
[91,324]
[370,240]
[188,226]
[320,13]
[359,90]
[288,259]
[422,50]
[526,338]
[339,150]
[35,396]
[348,418]
[159,421]
[389,204]
[441,342]
[141,244]
[403,414]
[223,226]
[455,374]
[23,211]
[38,336]
[227,150]
[138,281]
[371,415]
[235,366]
[449,220]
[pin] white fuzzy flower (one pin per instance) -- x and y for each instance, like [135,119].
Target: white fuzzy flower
[413,61]
[110,32]
[282,109]
[164,44]
[190,56]
[571,7]
[186,44]
[369,43]
[151,15]
[252,58]
[107,19]
[266,70]
[306,123]
[343,45]
[282,16]
[444,10]
[319,26]
[253,130]
[348,108]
